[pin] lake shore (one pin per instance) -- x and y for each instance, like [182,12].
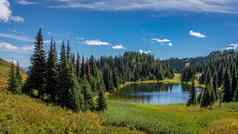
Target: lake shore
[175,80]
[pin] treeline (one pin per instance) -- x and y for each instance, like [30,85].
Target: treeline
[220,75]
[132,66]
[178,64]
[79,83]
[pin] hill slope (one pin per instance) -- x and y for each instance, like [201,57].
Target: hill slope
[4,67]
[23,115]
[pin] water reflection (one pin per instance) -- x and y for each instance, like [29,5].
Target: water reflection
[155,93]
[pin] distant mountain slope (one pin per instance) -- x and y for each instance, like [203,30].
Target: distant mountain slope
[178,64]
[4,68]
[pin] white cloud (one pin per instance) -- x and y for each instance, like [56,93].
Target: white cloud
[5,10]
[17,19]
[12,48]
[95,43]
[163,41]
[218,6]
[196,34]
[120,46]
[231,46]
[26,2]
[16,37]
[6,13]
[144,51]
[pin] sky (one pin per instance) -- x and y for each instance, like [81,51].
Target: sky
[164,28]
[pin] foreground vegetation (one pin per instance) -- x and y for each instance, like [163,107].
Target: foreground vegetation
[23,115]
[173,119]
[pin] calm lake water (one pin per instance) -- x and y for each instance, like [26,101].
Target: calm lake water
[155,93]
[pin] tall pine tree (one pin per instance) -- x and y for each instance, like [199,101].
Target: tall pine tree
[37,77]
[12,85]
[52,73]
[193,98]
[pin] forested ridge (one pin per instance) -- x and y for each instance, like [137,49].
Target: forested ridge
[77,82]
[132,66]
[217,71]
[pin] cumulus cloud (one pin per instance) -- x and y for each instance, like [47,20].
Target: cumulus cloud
[144,51]
[196,34]
[6,13]
[96,43]
[231,46]
[163,41]
[120,46]
[13,48]
[26,2]
[218,6]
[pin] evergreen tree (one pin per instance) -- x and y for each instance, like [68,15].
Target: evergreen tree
[87,96]
[74,97]
[228,96]
[193,98]
[77,66]
[37,77]
[101,101]
[69,89]
[63,76]
[215,85]
[205,96]
[52,73]
[18,76]
[12,85]
[82,70]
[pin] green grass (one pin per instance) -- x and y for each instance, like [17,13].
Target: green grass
[23,115]
[177,119]
[4,67]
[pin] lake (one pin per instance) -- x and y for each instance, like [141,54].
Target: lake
[155,93]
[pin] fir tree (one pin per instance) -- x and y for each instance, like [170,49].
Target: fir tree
[12,85]
[37,77]
[193,98]
[227,88]
[74,97]
[52,73]
[69,89]
[18,76]
[63,76]
[87,96]
[101,101]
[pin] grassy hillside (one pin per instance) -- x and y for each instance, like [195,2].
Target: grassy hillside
[24,115]
[4,67]
[21,114]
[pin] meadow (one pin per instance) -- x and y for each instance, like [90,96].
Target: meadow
[173,119]
[24,115]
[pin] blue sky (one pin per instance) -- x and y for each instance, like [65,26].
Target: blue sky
[171,28]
